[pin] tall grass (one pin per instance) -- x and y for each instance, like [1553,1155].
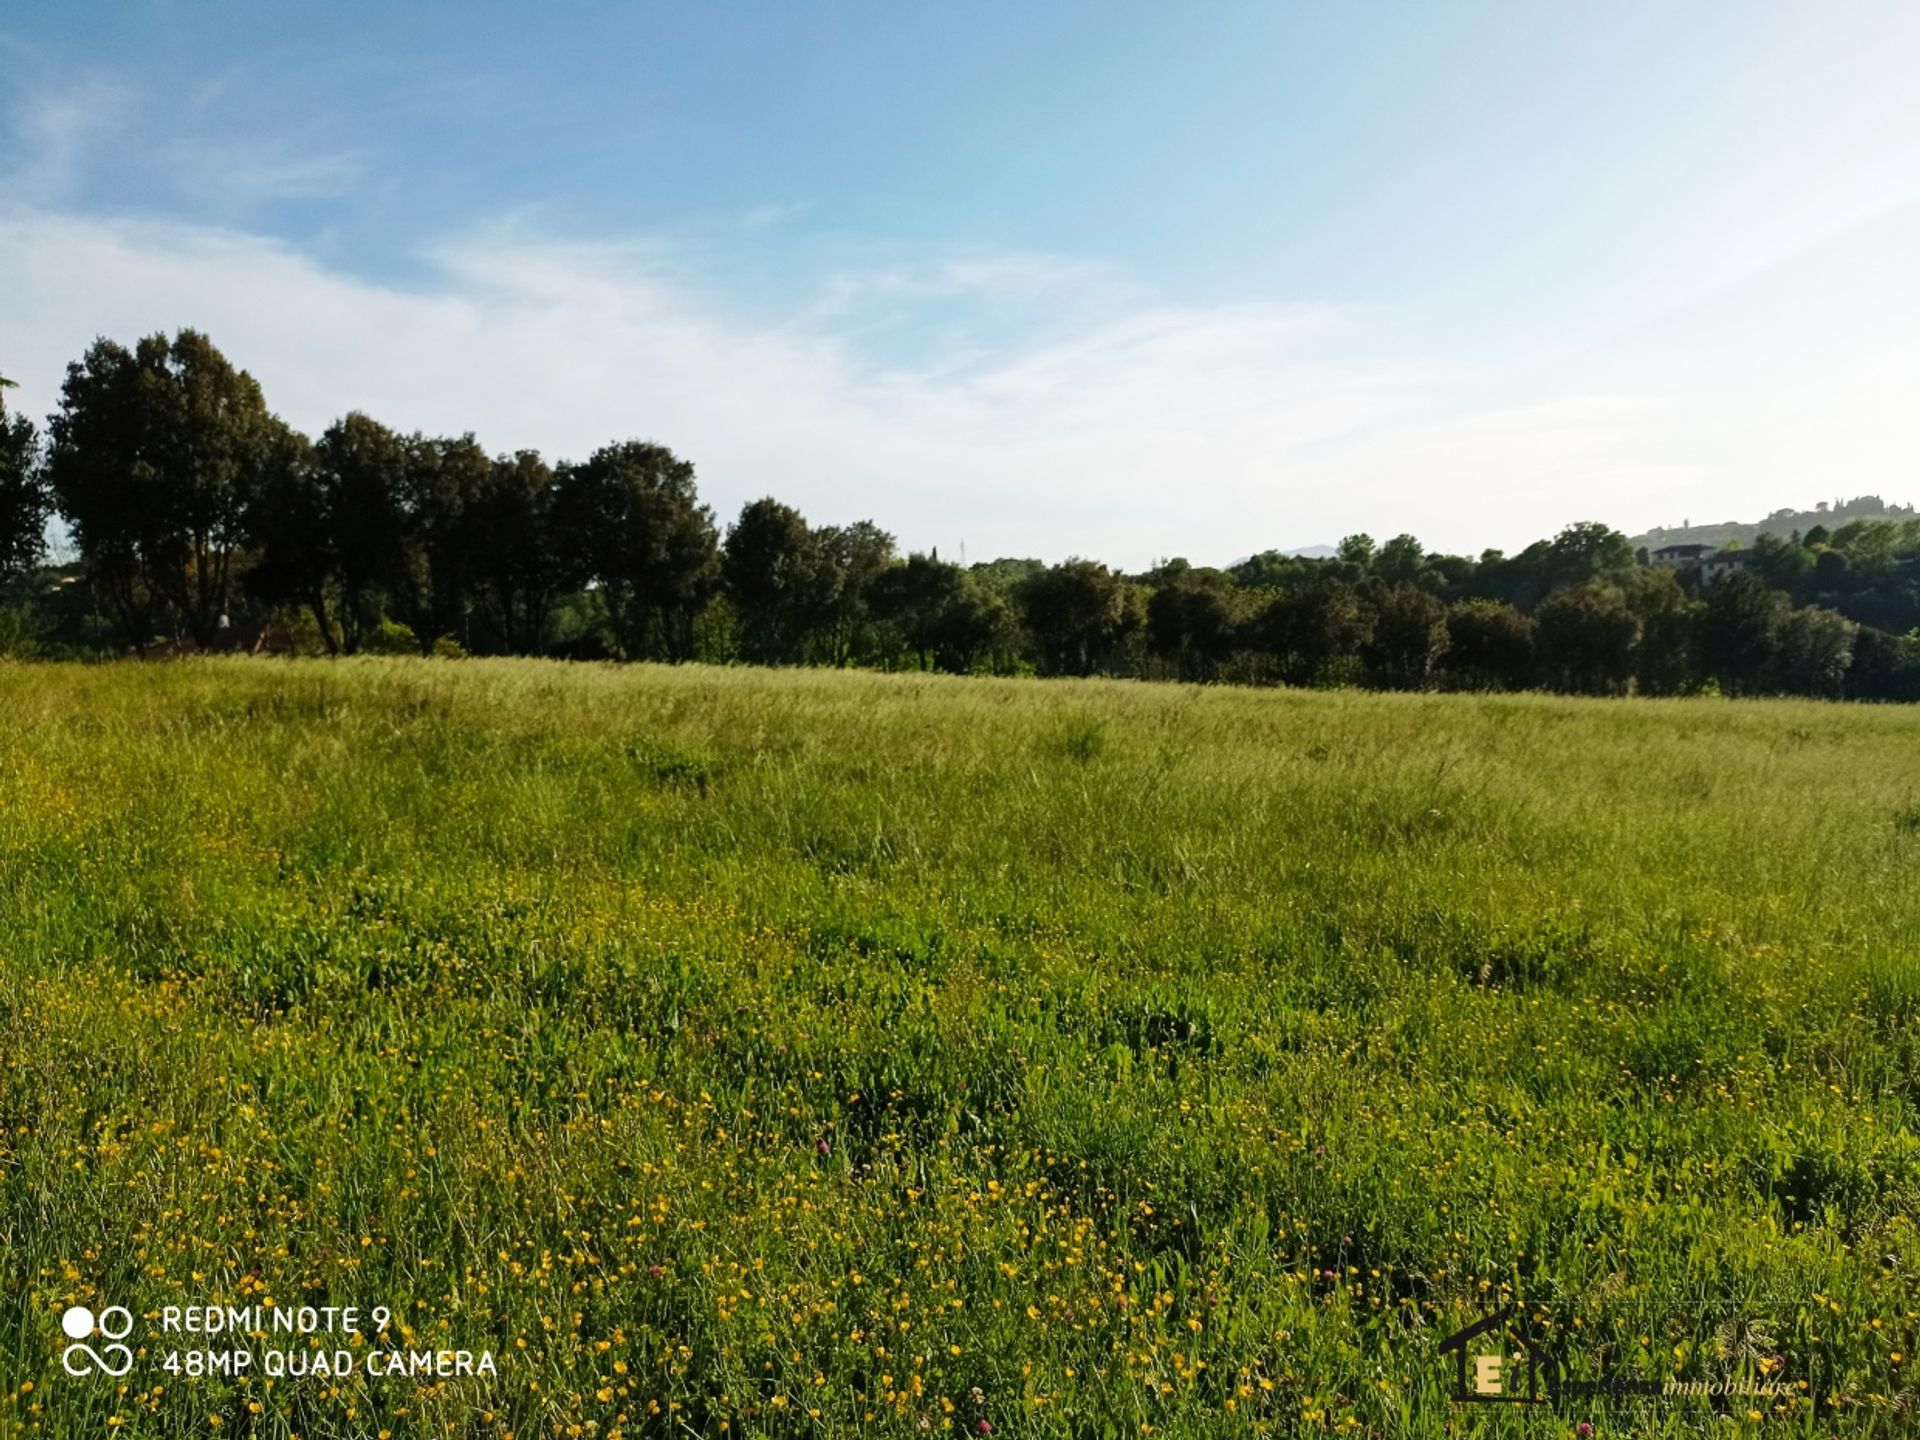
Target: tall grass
[808,1053]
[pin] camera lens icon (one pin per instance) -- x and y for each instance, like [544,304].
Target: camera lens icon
[115,1322]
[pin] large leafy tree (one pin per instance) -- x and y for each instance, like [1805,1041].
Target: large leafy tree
[360,475]
[1586,551]
[852,559]
[1079,613]
[432,588]
[1581,552]
[1740,633]
[516,569]
[1884,667]
[1667,658]
[157,454]
[1490,645]
[940,613]
[108,496]
[1310,629]
[1192,621]
[779,581]
[23,492]
[1409,637]
[629,521]
[1401,561]
[1816,651]
[1588,638]
[295,558]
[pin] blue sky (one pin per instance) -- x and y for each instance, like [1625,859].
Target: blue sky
[1122,279]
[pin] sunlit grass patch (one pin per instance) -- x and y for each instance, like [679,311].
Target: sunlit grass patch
[801,1053]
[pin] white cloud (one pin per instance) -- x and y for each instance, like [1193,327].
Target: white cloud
[1115,426]
[53,131]
[242,173]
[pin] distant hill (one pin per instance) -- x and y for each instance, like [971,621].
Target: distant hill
[1830,513]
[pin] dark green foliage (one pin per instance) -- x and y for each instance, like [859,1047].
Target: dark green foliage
[1816,651]
[780,581]
[853,558]
[1582,552]
[1589,635]
[517,568]
[1489,645]
[1740,633]
[296,562]
[1079,613]
[1409,637]
[941,615]
[363,468]
[431,591]
[1666,660]
[1401,561]
[24,502]
[1885,667]
[199,516]
[1192,621]
[630,523]
[1310,630]
[156,455]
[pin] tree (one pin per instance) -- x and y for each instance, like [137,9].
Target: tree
[432,588]
[1816,651]
[631,519]
[1586,551]
[1401,561]
[1409,637]
[1669,630]
[517,570]
[1357,551]
[368,526]
[296,563]
[1831,572]
[155,459]
[104,498]
[362,547]
[1310,629]
[1490,645]
[1885,667]
[1783,566]
[1740,633]
[24,501]
[1271,570]
[778,581]
[1078,613]
[1191,622]
[1580,552]
[975,625]
[945,617]
[1587,638]
[852,558]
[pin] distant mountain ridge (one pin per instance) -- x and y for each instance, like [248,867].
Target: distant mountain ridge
[1783,523]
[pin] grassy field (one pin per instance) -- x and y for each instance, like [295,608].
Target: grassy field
[820,1054]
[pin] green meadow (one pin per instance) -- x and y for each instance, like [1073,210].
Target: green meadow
[734,1052]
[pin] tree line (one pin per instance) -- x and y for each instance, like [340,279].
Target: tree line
[199,519]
